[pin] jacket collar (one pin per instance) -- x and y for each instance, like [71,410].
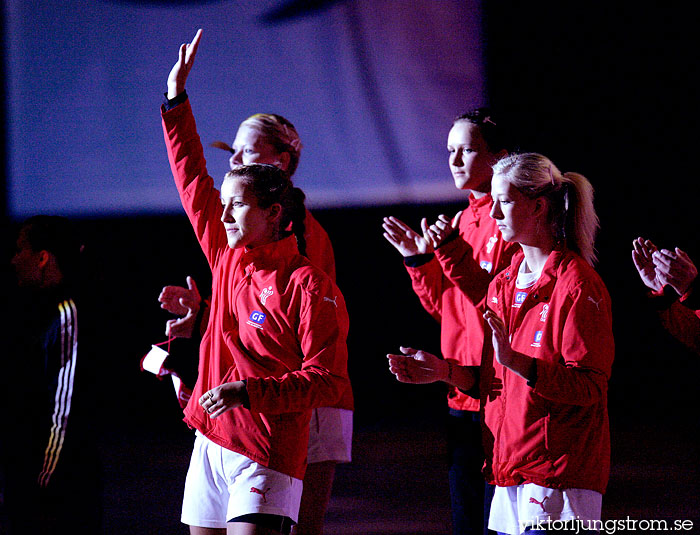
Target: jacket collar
[549,270]
[271,252]
[483,203]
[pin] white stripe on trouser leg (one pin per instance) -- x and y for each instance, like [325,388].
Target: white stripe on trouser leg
[64,389]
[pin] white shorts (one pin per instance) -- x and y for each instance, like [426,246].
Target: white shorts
[515,507]
[222,485]
[330,435]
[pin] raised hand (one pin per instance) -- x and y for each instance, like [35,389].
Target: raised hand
[674,268]
[417,367]
[183,65]
[442,229]
[404,239]
[642,256]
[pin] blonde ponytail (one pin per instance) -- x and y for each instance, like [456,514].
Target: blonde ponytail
[570,195]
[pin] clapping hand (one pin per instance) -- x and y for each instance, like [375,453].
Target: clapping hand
[442,229]
[499,338]
[404,239]
[642,256]
[505,355]
[183,302]
[675,269]
[417,367]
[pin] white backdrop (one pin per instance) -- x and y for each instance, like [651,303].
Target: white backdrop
[371,85]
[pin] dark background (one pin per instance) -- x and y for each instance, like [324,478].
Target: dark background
[605,90]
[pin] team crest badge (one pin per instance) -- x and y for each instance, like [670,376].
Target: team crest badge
[266,292]
[493,240]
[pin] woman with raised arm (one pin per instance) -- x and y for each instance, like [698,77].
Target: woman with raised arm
[544,390]
[275,344]
[272,139]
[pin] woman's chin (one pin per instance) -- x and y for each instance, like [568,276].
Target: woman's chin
[234,243]
[460,181]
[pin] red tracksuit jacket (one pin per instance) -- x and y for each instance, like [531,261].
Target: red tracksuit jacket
[553,433]
[276,320]
[680,319]
[319,251]
[452,287]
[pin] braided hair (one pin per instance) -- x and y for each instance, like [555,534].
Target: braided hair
[278,132]
[271,185]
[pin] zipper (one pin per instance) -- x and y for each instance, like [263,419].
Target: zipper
[245,281]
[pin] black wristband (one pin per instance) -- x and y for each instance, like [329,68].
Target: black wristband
[418,260]
[692,297]
[665,300]
[170,103]
[475,390]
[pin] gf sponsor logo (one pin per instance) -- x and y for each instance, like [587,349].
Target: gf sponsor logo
[256,319]
[537,342]
[519,299]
